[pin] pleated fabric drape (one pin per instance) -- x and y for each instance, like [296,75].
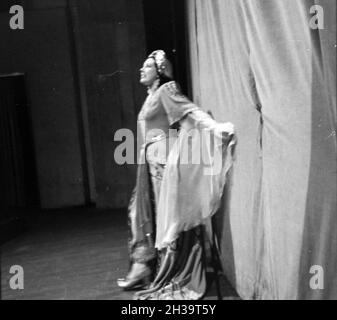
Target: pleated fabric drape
[259,65]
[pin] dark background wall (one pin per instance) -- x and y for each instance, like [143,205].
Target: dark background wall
[112,45]
[79,61]
[42,52]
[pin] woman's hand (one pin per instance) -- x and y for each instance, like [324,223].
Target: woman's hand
[224,128]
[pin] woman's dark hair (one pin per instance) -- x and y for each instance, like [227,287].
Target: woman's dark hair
[163,79]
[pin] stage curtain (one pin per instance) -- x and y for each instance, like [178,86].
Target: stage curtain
[260,65]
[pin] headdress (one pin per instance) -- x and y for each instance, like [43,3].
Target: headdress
[164,66]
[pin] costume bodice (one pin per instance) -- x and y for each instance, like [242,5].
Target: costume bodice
[161,110]
[152,119]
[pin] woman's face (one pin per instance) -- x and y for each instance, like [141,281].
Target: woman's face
[148,73]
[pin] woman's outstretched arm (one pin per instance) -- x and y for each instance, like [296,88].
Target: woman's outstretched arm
[180,109]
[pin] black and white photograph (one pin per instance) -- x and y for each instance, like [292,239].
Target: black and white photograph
[177,150]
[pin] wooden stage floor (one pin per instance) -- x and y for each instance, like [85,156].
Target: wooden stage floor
[74,255]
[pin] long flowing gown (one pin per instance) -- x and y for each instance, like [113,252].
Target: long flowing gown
[173,197]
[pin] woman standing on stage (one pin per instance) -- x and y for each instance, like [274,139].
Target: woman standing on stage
[172,199]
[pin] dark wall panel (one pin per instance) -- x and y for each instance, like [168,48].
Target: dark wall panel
[112,42]
[42,51]
[82,70]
